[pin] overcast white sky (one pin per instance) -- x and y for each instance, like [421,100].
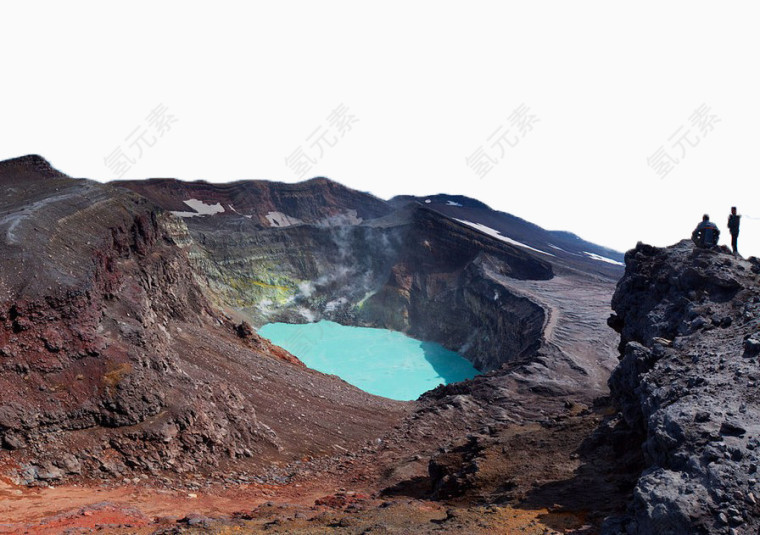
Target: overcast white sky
[548,110]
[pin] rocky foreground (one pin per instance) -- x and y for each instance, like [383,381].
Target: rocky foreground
[687,386]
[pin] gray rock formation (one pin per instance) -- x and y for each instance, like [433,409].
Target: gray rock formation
[687,387]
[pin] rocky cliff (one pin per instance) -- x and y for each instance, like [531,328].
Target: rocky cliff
[686,386]
[113,360]
[316,250]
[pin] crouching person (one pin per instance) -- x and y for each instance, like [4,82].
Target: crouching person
[706,234]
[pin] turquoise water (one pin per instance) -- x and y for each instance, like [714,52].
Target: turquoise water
[381,362]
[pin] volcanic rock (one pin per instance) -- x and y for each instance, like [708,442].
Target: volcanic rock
[694,402]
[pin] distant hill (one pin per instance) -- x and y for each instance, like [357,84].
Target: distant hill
[561,247]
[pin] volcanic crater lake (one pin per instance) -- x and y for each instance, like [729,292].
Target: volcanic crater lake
[381,362]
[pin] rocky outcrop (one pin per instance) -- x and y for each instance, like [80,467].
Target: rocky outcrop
[686,387]
[439,290]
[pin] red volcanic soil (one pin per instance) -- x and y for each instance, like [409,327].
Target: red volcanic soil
[384,488]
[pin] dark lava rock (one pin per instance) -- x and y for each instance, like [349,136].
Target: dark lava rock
[751,347]
[244,330]
[695,402]
[452,472]
[732,429]
[195,519]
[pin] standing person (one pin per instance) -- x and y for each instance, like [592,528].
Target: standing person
[733,227]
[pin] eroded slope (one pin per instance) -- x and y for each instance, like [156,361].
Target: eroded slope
[114,363]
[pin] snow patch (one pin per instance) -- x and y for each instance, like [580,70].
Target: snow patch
[496,234]
[452,203]
[603,258]
[278,219]
[200,208]
[557,248]
[232,208]
[428,201]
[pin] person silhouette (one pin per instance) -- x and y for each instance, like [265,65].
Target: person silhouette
[733,227]
[706,234]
